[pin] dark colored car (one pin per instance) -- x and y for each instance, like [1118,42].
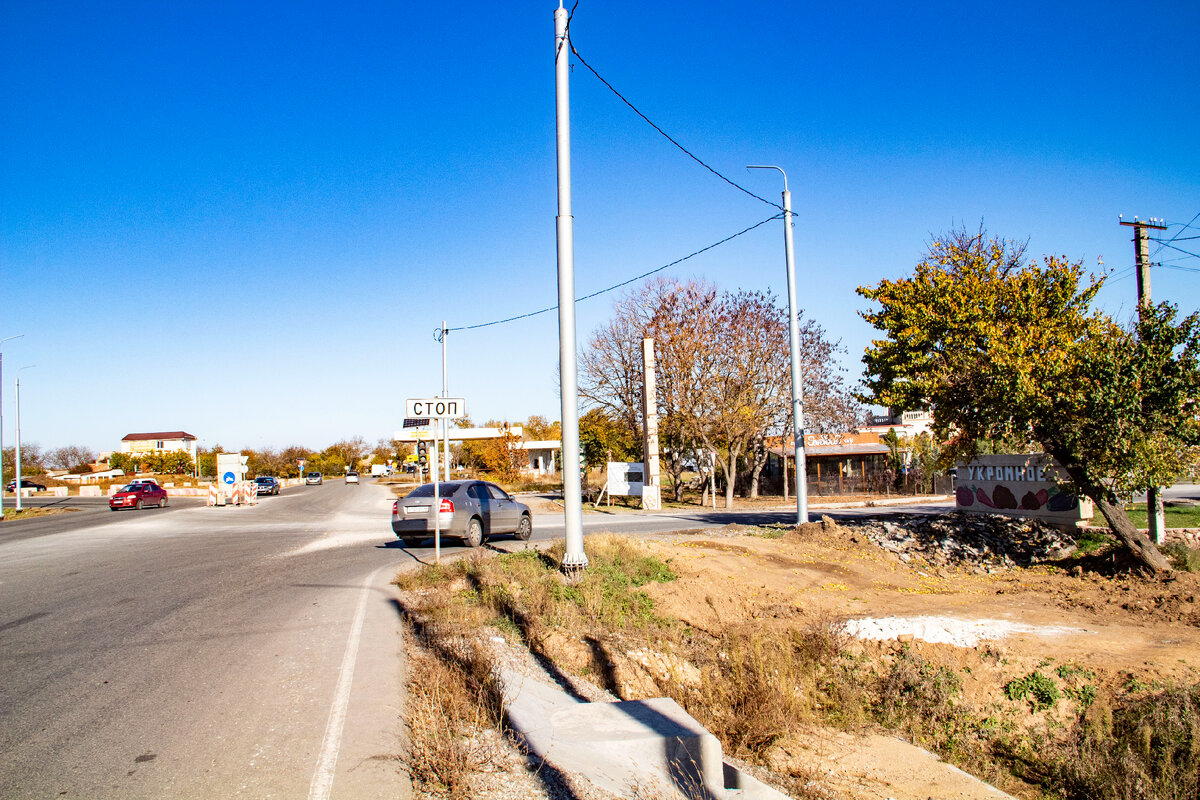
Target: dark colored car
[12,485]
[314,479]
[138,495]
[470,510]
[267,485]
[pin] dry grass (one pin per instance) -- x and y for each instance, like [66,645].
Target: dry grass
[758,688]
[453,704]
[31,512]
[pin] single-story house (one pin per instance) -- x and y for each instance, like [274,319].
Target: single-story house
[837,463]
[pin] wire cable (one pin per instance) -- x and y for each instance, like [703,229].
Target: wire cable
[622,283]
[1180,249]
[666,135]
[1186,225]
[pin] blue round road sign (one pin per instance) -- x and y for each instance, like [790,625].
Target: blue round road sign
[229,478]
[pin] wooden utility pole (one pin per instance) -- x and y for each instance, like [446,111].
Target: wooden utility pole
[1141,252]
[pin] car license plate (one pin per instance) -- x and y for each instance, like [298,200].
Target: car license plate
[416,509]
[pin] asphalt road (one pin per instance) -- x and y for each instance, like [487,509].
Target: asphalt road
[196,652]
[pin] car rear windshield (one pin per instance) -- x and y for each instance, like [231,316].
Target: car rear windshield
[263,480]
[444,490]
[314,474]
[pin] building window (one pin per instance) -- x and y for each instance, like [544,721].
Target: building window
[158,445]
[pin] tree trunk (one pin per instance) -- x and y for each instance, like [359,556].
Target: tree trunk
[760,461]
[1137,542]
[730,477]
[675,467]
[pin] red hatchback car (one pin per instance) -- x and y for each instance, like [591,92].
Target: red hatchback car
[137,495]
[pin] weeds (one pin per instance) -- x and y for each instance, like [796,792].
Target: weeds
[1041,690]
[452,703]
[1182,557]
[1146,748]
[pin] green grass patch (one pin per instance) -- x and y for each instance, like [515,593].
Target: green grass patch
[1176,516]
[1092,540]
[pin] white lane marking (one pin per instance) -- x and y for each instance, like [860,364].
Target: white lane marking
[322,782]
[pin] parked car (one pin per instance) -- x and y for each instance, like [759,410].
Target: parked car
[470,510]
[267,484]
[314,478]
[138,495]
[25,484]
[351,477]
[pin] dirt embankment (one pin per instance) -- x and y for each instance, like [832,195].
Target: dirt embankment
[993,602]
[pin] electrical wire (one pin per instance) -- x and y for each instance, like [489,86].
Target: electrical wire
[622,283]
[1186,225]
[566,31]
[1180,249]
[666,135]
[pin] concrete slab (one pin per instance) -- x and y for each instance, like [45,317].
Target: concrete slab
[652,746]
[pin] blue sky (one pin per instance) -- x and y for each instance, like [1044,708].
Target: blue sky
[245,220]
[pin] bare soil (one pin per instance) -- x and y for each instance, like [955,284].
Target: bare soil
[1099,620]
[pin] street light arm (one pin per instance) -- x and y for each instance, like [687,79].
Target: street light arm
[771,166]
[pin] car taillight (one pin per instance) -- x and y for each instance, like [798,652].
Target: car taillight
[447,506]
[396,507]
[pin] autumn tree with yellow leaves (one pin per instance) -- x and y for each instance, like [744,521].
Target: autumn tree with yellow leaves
[1003,348]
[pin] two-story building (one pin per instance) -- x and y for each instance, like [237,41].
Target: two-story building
[159,442]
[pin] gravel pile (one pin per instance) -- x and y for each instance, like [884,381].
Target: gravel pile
[985,541]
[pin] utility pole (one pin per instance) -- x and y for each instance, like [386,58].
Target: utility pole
[2,341]
[17,452]
[794,348]
[574,560]
[1141,251]
[445,422]
[651,485]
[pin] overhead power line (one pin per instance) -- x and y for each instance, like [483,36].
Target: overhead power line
[666,135]
[1180,249]
[622,283]
[1184,227]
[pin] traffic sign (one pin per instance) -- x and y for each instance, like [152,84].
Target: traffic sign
[441,407]
[229,478]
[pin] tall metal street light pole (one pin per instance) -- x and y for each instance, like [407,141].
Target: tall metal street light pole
[2,341]
[794,341]
[574,559]
[445,422]
[17,452]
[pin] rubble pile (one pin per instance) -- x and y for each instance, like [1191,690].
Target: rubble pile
[985,541]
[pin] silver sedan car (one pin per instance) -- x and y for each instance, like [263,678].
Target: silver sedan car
[470,510]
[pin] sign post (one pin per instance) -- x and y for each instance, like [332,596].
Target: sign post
[443,409]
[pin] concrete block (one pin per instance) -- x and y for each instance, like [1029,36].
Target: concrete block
[742,786]
[89,491]
[651,745]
